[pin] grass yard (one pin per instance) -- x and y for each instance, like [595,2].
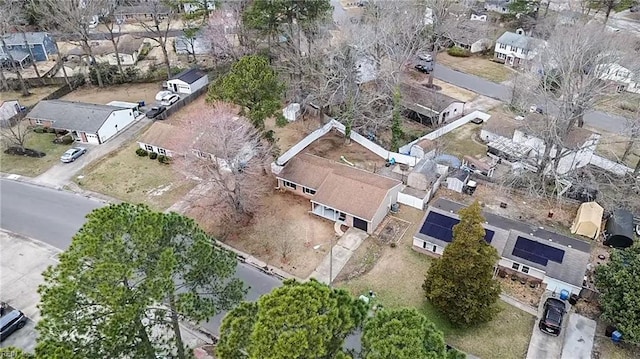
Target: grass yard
[37,94]
[463,141]
[29,166]
[624,104]
[397,278]
[128,177]
[612,146]
[478,66]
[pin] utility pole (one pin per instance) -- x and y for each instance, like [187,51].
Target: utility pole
[330,261]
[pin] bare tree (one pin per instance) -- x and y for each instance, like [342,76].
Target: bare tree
[443,21]
[221,31]
[110,21]
[72,17]
[162,12]
[10,14]
[16,135]
[227,153]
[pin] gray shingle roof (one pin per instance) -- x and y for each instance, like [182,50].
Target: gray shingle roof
[73,116]
[576,256]
[18,39]
[189,76]
[516,40]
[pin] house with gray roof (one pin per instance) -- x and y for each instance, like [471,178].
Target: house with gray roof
[188,81]
[429,107]
[516,49]
[39,46]
[529,251]
[86,122]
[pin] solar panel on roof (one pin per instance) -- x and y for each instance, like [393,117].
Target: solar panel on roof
[440,226]
[537,252]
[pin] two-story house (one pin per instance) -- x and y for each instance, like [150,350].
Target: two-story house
[516,49]
[620,77]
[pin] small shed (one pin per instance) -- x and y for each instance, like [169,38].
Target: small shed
[424,148]
[588,220]
[188,81]
[619,229]
[458,180]
[291,112]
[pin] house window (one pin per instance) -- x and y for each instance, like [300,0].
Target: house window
[525,269]
[342,216]
[434,248]
[162,151]
[148,148]
[501,56]
[289,184]
[424,245]
[515,266]
[503,46]
[307,190]
[38,122]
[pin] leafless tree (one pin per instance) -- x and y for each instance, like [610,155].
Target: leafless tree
[16,135]
[72,17]
[10,14]
[112,24]
[222,32]
[228,153]
[163,13]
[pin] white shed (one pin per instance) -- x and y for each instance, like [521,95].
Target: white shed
[457,180]
[87,122]
[188,81]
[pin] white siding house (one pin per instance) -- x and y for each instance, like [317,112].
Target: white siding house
[516,49]
[621,77]
[188,81]
[159,138]
[86,122]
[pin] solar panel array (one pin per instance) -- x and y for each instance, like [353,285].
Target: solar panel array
[537,252]
[440,226]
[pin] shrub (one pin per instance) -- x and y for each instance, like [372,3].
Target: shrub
[38,129]
[164,159]
[153,155]
[64,140]
[458,52]
[142,153]
[281,121]
[50,130]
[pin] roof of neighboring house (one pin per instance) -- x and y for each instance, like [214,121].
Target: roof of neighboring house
[69,115]
[160,134]
[128,44]
[142,9]
[502,125]
[189,76]
[8,109]
[577,137]
[17,38]
[419,95]
[341,187]
[16,55]
[468,32]
[507,232]
[426,144]
[459,175]
[517,40]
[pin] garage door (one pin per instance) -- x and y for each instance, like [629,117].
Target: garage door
[360,224]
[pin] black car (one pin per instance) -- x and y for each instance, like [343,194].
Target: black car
[155,111]
[10,322]
[551,322]
[423,68]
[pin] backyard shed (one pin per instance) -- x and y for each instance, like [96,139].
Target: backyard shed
[619,229]
[457,180]
[188,81]
[588,220]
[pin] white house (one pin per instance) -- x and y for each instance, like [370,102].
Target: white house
[134,106]
[8,109]
[512,140]
[478,16]
[429,107]
[499,6]
[516,49]
[159,138]
[621,77]
[188,81]
[191,7]
[534,253]
[87,122]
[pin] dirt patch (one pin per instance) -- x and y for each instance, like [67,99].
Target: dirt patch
[391,230]
[478,66]
[523,289]
[293,132]
[129,177]
[332,146]
[283,224]
[419,78]
[128,93]
[37,94]
[364,259]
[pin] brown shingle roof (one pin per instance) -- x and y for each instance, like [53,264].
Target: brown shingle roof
[436,101]
[426,144]
[160,135]
[577,137]
[502,125]
[347,189]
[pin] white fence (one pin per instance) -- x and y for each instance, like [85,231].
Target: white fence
[608,165]
[410,200]
[446,129]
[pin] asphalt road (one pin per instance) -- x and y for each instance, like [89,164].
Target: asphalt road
[597,119]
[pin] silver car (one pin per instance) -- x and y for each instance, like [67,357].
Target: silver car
[72,154]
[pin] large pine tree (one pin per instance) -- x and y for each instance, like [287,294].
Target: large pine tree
[460,284]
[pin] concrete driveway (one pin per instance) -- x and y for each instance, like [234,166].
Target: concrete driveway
[544,345]
[578,341]
[61,173]
[22,262]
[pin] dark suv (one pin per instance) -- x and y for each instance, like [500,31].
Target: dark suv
[10,322]
[551,322]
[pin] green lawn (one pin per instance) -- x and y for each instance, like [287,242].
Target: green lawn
[29,166]
[477,66]
[128,177]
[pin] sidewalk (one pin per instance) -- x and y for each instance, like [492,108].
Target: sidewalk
[339,255]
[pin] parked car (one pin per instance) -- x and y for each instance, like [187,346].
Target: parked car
[73,154]
[11,322]
[170,100]
[162,94]
[425,57]
[536,109]
[155,111]
[551,322]
[424,68]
